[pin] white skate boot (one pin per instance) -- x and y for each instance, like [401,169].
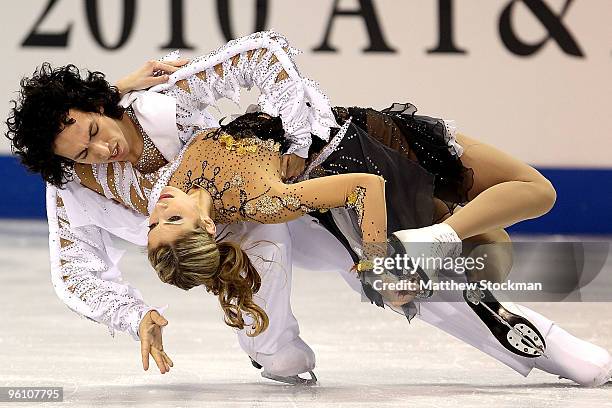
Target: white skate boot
[285,366]
[570,357]
[436,243]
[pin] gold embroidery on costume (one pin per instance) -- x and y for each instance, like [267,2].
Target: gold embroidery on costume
[236,192]
[237,180]
[64,242]
[151,158]
[355,201]
[244,183]
[273,205]
[247,145]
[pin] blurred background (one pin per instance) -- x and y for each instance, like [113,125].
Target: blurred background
[531,77]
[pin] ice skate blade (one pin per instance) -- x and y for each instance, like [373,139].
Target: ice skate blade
[293,379]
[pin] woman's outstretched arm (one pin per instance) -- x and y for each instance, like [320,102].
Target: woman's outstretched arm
[365,193]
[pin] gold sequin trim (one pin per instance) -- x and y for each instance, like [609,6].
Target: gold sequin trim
[269,205]
[273,205]
[292,202]
[237,180]
[364,265]
[247,145]
[151,158]
[355,201]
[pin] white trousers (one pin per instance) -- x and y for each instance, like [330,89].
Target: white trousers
[280,350]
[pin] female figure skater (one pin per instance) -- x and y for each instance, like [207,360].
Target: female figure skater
[232,173]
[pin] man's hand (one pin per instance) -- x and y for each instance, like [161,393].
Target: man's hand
[292,166]
[151,341]
[152,73]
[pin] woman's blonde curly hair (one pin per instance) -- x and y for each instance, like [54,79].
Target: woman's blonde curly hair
[223,268]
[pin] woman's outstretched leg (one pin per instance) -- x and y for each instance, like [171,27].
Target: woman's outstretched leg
[505,191]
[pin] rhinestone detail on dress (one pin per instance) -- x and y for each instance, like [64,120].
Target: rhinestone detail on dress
[151,158]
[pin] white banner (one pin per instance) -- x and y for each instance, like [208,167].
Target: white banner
[532,77]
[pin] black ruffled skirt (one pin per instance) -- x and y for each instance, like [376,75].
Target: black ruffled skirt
[418,157]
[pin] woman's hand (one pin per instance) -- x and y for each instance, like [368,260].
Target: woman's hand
[152,73]
[392,295]
[292,166]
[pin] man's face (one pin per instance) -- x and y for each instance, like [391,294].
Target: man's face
[92,138]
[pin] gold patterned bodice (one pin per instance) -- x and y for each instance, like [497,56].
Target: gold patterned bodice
[242,177]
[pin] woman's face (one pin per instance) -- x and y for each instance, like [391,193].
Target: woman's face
[92,138]
[175,214]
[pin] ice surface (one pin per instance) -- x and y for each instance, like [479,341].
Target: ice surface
[366,357]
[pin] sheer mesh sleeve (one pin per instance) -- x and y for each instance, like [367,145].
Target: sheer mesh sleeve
[263,59]
[364,193]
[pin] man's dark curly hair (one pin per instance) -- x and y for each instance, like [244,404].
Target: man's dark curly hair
[41,113]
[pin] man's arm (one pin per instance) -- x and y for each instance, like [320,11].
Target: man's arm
[263,59]
[86,278]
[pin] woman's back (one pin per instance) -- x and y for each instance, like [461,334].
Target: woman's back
[242,176]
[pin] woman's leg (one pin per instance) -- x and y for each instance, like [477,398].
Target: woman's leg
[496,244]
[505,191]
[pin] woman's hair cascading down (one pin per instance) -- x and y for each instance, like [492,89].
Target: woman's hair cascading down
[223,268]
